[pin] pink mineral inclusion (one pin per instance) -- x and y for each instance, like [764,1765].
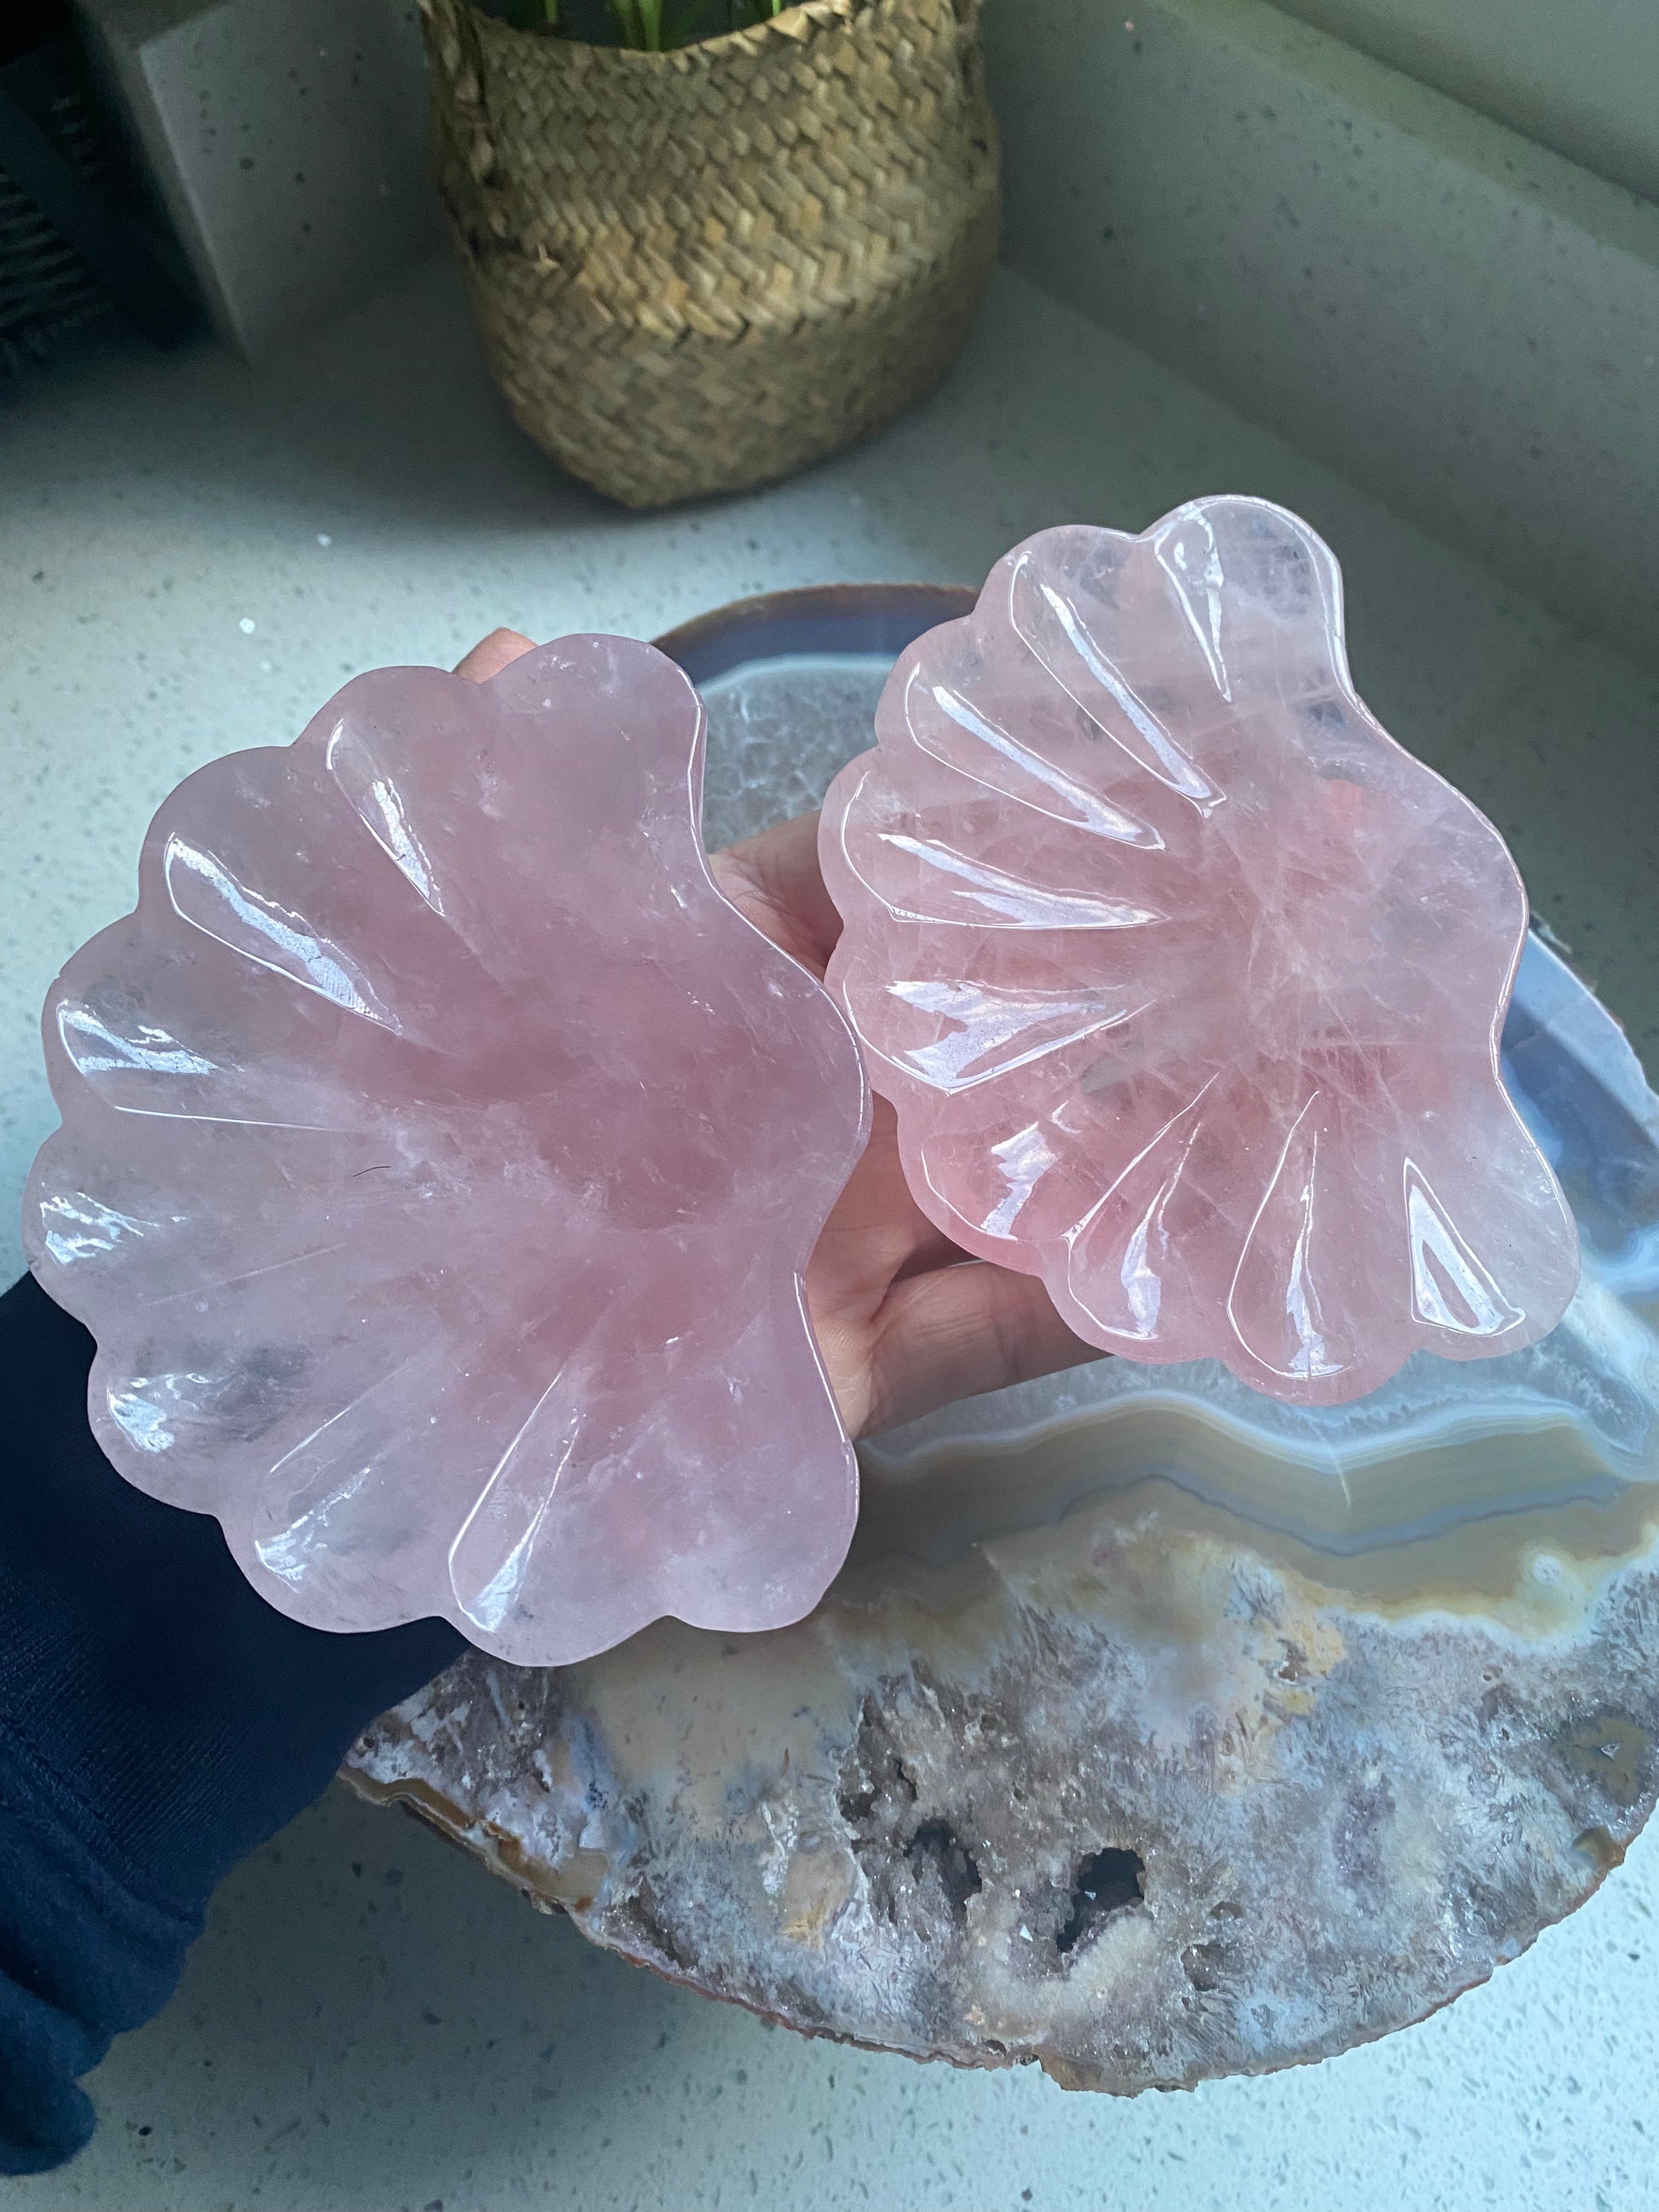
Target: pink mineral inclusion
[1186,980]
[442,1156]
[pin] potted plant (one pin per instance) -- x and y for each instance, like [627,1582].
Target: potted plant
[731,239]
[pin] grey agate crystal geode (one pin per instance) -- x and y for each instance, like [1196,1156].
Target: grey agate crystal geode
[1154,1731]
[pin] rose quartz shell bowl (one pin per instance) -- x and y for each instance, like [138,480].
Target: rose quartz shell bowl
[441,1157]
[1186,980]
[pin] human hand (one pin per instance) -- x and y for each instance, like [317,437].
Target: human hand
[906,1321]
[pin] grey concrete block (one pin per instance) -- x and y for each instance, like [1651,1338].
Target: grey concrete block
[1461,321]
[287,141]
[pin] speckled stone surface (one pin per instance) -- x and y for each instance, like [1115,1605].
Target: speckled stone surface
[291,165]
[368,2023]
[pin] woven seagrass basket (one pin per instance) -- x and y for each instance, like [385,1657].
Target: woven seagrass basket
[697,271]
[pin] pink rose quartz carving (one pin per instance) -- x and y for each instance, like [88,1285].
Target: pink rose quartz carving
[441,1157]
[1186,980]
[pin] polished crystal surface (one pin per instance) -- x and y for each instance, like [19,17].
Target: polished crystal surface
[441,1157]
[1186,981]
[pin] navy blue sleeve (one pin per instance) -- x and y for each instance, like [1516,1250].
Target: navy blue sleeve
[158,1721]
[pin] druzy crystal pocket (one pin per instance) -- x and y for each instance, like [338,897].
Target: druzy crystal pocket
[440,1161]
[1186,980]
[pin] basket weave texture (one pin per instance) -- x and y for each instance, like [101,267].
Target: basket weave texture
[698,270]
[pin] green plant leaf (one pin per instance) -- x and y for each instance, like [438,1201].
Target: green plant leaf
[641,24]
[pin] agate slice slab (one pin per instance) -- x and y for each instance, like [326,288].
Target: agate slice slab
[1186,980]
[1156,1729]
[442,1156]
